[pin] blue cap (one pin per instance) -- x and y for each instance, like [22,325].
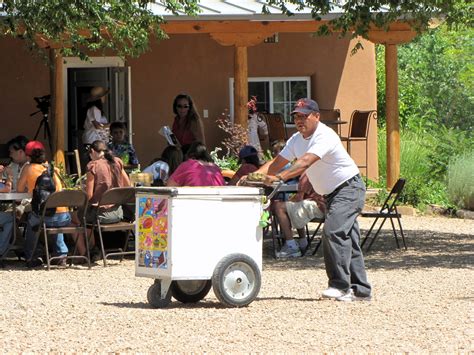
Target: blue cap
[305,106]
[247,151]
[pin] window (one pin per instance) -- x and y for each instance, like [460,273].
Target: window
[276,95]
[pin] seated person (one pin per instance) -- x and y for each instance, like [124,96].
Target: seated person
[250,162]
[197,170]
[104,172]
[162,168]
[302,208]
[119,145]
[11,173]
[26,183]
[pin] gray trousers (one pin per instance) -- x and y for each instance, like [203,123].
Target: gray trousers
[341,238]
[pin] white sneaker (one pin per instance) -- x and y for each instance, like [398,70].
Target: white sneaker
[332,292]
[350,296]
[287,252]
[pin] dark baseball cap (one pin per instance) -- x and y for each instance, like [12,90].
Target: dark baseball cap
[305,106]
[247,151]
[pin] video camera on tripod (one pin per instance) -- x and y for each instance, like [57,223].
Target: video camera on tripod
[43,103]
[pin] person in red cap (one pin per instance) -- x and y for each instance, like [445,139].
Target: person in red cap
[26,183]
[319,152]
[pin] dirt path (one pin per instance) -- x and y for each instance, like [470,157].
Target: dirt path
[423,302]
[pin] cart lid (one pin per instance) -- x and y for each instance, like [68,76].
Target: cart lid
[202,190]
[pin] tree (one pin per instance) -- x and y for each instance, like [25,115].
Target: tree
[78,27]
[359,15]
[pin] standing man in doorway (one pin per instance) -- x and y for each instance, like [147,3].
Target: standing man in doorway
[332,172]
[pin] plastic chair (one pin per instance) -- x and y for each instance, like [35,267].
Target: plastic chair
[276,126]
[388,210]
[115,196]
[327,115]
[72,199]
[359,132]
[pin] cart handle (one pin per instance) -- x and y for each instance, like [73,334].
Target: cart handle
[268,199]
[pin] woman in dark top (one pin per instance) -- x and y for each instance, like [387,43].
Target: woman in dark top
[187,125]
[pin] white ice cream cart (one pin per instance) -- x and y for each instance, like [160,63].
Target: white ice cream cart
[190,239]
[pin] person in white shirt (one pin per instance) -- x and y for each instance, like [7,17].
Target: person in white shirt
[96,124]
[257,129]
[333,174]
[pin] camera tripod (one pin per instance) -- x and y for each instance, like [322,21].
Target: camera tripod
[44,123]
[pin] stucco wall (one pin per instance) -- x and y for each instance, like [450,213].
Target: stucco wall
[199,66]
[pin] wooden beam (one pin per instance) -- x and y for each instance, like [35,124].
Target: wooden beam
[391,37]
[240,39]
[241,91]
[58,123]
[186,27]
[393,125]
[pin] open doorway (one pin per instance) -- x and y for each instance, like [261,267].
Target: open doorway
[80,80]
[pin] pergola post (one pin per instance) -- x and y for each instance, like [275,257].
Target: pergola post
[58,121]
[241,91]
[393,126]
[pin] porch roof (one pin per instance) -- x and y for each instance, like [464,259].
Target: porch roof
[244,10]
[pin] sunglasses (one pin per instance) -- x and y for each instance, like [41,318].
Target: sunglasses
[182,106]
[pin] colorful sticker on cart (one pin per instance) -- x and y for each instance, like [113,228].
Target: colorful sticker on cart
[153,232]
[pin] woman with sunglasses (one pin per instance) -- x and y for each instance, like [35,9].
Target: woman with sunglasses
[187,125]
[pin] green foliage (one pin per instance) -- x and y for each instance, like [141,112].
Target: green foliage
[229,162]
[422,187]
[461,181]
[445,143]
[436,75]
[124,26]
[357,16]
[70,182]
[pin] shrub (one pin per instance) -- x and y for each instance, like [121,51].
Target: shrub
[422,186]
[461,182]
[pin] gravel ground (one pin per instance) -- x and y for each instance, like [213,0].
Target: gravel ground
[423,302]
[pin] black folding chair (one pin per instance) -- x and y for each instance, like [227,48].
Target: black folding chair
[115,196]
[388,210]
[310,237]
[72,199]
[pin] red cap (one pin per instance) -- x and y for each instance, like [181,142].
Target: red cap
[30,146]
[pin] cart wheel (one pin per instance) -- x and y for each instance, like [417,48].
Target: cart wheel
[154,296]
[236,280]
[190,291]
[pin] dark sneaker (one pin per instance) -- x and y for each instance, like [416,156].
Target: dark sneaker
[31,264]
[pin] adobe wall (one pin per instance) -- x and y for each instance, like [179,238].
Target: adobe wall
[199,66]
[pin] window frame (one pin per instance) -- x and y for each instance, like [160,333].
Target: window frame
[270,80]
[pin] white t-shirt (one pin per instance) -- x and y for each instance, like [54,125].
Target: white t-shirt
[256,124]
[91,133]
[335,165]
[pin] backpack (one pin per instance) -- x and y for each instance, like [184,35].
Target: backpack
[44,187]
